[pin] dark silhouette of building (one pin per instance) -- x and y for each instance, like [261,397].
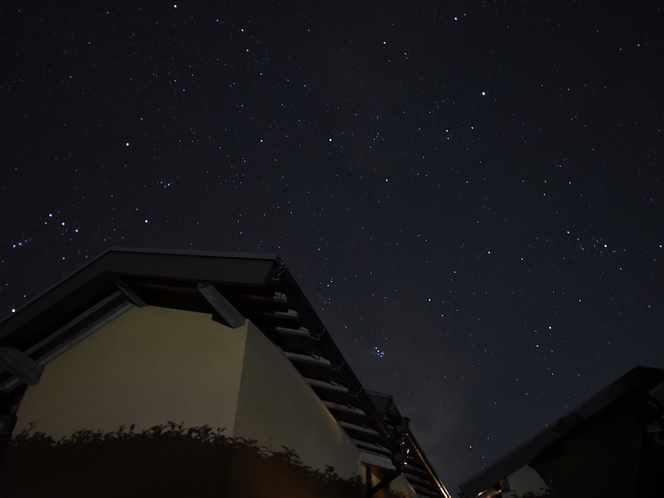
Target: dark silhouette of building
[611,445]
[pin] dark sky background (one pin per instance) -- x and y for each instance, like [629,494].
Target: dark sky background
[470,193]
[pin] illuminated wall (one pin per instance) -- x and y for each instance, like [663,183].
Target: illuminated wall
[156,366]
[148,367]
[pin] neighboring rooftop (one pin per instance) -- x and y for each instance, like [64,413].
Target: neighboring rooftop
[641,385]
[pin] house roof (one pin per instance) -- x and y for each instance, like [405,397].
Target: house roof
[640,379]
[230,286]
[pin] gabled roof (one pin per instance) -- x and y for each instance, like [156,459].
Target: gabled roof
[639,379]
[231,287]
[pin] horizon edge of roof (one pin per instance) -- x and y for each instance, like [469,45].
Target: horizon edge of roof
[190,252]
[147,251]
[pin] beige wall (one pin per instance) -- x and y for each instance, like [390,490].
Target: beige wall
[278,408]
[156,365]
[148,367]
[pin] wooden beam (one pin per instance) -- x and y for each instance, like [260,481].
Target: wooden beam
[93,310]
[20,365]
[220,304]
[87,331]
[73,339]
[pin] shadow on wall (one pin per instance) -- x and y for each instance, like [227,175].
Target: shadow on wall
[165,460]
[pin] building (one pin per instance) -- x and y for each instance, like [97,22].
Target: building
[611,445]
[180,373]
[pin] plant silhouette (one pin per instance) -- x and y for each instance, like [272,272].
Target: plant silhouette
[165,460]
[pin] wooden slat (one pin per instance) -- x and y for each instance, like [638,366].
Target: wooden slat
[292,314]
[314,360]
[327,385]
[357,428]
[343,408]
[376,460]
[302,331]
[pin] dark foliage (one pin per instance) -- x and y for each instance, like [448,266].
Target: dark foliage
[165,460]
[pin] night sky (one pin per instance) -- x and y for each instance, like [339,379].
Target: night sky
[470,193]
